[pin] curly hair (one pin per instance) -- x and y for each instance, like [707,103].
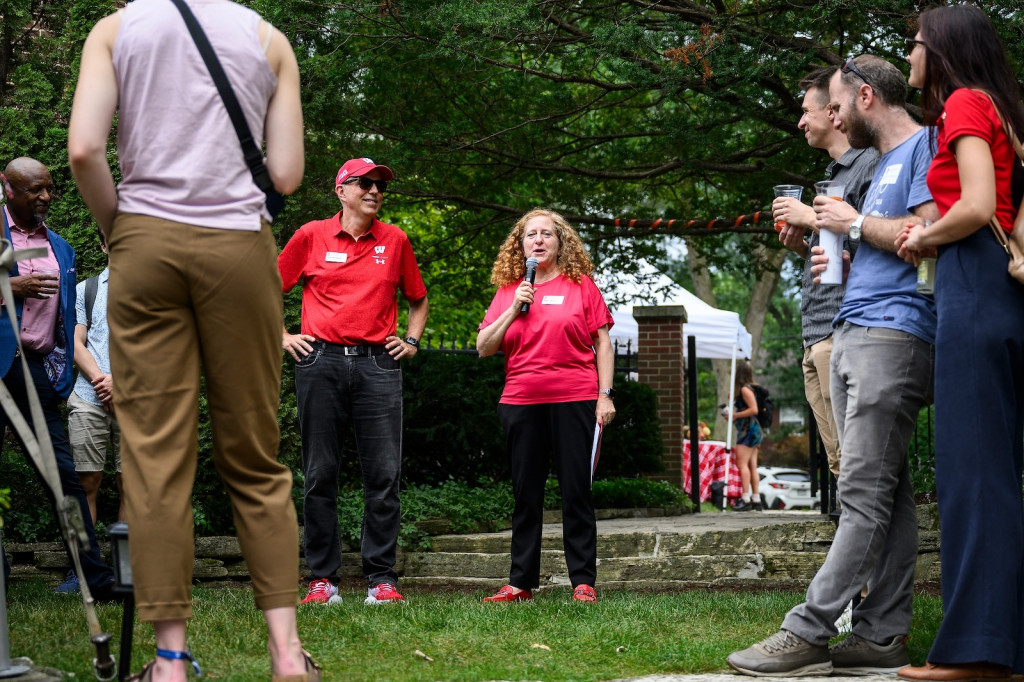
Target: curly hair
[573,260]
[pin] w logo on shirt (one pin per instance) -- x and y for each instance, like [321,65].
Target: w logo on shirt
[379,250]
[379,258]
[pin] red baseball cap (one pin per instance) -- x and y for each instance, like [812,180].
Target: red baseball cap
[354,168]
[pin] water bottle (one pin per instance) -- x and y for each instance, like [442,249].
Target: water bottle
[926,276]
[926,272]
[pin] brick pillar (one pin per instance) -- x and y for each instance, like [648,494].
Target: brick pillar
[661,365]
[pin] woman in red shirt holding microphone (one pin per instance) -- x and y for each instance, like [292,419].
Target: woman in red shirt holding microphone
[558,386]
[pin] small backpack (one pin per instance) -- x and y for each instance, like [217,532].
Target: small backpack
[765,406]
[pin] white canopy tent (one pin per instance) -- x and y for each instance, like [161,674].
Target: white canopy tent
[719,334]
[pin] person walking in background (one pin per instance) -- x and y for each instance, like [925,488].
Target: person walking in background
[559,365]
[44,301]
[968,90]
[881,378]
[819,305]
[193,287]
[92,425]
[348,371]
[748,438]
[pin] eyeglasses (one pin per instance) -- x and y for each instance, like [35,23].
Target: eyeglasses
[366,183]
[914,42]
[851,67]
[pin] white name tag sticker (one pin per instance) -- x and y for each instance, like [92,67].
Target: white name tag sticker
[336,257]
[552,300]
[891,174]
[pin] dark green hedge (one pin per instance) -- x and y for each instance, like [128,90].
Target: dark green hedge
[452,433]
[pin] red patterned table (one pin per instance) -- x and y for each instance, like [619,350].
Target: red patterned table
[713,458]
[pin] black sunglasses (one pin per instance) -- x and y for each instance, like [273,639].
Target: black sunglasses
[913,42]
[851,67]
[366,183]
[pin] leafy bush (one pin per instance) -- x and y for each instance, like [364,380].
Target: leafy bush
[452,440]
[622,493]
[636,492]
[487,505]
[631,445]
[30,517]
[451,418]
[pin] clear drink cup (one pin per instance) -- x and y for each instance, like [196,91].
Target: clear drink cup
[795,191]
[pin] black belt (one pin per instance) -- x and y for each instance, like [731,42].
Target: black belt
[360,351]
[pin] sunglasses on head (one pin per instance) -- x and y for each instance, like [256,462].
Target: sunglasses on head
[851,67]
[366,183]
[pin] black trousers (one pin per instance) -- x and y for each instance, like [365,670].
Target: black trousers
[535,435]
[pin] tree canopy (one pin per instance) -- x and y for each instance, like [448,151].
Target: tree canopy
[607,111]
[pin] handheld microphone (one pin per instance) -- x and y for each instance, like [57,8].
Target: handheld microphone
[531,274]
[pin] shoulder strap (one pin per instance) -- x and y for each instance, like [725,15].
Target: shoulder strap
[92,285]
[253,155]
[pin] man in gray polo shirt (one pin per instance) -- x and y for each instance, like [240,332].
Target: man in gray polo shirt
[820,303]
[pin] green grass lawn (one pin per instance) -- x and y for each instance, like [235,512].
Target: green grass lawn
[625,634]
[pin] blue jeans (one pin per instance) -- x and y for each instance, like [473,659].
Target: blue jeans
[334,390]
[97,574]
[881,378]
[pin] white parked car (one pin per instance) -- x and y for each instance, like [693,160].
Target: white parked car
[783,488]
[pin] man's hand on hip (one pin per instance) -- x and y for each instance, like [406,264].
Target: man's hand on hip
[398,348]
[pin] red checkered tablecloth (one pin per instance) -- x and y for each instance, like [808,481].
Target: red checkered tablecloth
[713,458]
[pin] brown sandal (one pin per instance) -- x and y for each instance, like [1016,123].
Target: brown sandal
[312,674]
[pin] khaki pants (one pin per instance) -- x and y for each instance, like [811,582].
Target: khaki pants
[817,369]
[182,296]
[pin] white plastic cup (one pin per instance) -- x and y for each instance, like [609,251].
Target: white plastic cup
[833,245]
[795,191]
[830,241]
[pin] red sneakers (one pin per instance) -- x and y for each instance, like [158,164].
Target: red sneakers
[507,594]
[584,593]
[320,592]
[383,594]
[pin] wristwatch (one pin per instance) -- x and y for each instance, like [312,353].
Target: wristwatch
[856,228]
[610,392]
[412,341]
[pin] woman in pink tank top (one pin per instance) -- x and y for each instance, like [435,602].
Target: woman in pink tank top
[194,287]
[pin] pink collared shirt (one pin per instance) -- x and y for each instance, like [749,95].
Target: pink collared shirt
[38,315]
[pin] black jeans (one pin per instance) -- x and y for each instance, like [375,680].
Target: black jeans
[334,390]
[535,435]
[97,574]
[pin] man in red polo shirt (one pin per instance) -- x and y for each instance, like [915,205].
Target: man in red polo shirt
[348,371]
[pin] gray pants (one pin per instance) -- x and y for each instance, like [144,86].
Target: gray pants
[881,378]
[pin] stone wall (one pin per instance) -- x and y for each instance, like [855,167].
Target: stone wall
[784,555]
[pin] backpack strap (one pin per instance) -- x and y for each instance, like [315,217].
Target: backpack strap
[92,285]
